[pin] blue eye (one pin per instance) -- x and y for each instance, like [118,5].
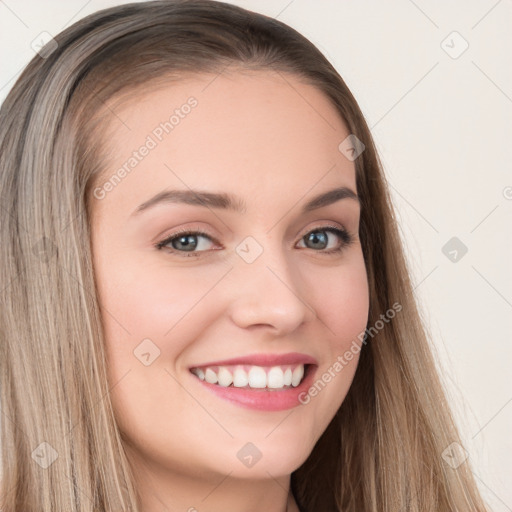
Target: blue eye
[319,239]
[192,243]
[186,241]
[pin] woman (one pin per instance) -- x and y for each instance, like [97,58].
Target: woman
[206,304]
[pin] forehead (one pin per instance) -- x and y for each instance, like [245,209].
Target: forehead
[251,132]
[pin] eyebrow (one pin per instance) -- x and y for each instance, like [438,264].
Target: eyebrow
[231,202]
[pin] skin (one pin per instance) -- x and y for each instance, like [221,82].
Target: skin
[274,143]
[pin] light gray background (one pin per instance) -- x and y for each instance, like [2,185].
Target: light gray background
[443,127]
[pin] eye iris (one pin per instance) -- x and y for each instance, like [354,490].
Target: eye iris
[188,242]
[315,239]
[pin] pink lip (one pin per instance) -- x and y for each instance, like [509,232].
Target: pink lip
[264,360]
[265,399]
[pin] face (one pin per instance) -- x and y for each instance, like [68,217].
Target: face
[265,283]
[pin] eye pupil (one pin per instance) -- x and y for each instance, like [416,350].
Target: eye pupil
[188,242]
[315,239]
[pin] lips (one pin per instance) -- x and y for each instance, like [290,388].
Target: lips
[267,382]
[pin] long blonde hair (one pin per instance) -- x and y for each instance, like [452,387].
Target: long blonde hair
[61,449]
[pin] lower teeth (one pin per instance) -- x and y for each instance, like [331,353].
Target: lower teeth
[254,389]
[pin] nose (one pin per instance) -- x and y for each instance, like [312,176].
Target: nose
[269,294]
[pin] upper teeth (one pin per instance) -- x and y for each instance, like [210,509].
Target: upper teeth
[240,376]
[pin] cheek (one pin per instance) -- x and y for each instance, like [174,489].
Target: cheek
[341,299]
[143,300]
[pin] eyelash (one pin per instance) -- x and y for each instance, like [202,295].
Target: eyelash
[346,240]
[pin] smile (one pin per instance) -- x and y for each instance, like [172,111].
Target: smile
[264,388]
